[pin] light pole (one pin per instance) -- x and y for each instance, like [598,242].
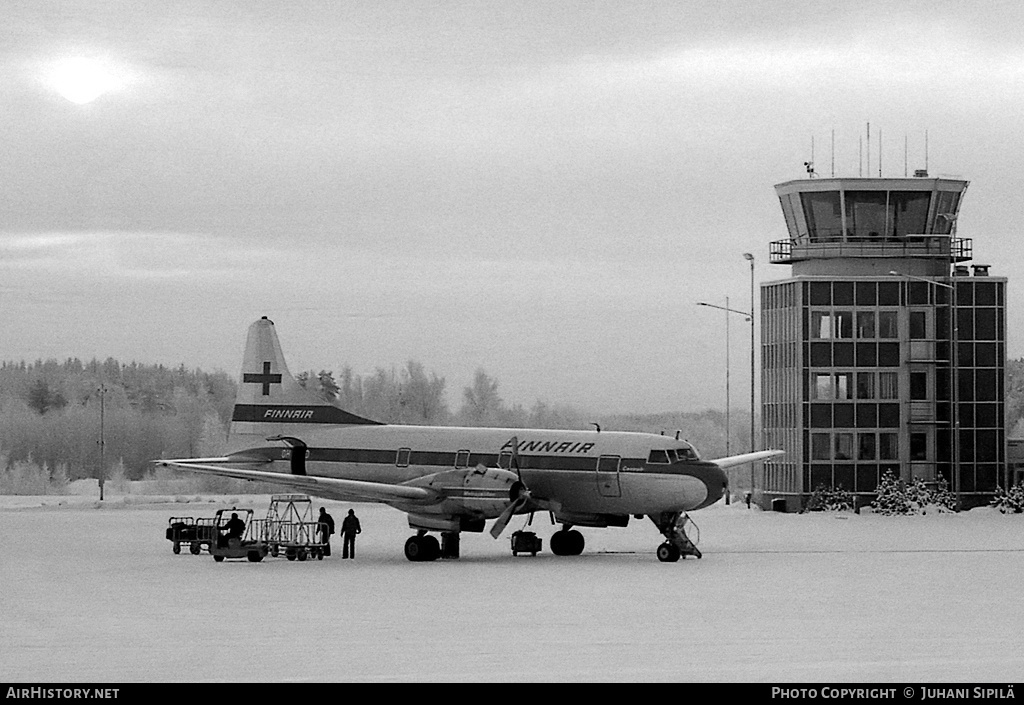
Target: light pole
[749,317]
[102,442]
[753,441]
[954,392]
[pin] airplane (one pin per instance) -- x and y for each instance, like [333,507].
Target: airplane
[450,479]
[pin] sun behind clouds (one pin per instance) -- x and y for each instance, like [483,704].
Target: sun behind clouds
[82,80]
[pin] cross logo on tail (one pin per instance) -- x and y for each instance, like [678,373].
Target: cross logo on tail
[266,379]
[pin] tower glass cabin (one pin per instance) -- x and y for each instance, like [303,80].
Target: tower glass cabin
[883,350]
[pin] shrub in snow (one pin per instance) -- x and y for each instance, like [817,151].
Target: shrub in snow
[892,496]
[895,497]
[1009,501]
[942,499]
[830,499]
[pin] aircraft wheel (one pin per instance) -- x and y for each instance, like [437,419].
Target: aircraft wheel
[422,548]
[576,543]
[177,548]
[414,549]
[274,551]
[289,553]
[195,548]
[254,556]
[432,546]
[558,543]
[219,559]
[301,554]
[668,553]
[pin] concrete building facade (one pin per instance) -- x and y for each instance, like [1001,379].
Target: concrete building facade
[883,350]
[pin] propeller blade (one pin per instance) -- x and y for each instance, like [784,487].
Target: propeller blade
[506,516]
[522,494]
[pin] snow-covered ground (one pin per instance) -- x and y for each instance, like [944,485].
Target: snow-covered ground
[91,593]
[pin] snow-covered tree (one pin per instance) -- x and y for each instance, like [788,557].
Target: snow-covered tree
[830,499]
[1009,501]
[892,496]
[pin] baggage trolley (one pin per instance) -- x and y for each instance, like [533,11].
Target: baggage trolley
[249,544]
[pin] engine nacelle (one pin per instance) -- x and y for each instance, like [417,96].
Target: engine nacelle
[476,492]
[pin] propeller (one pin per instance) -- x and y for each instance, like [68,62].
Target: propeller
[517,493]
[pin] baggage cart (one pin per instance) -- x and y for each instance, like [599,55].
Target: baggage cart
[291,529]
[250,543]
[190,531]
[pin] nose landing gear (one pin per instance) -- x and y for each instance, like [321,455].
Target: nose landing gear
[677,544]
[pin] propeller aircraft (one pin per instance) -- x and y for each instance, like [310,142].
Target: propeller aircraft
[450,480]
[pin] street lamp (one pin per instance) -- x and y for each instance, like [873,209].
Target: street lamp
[749,315]
[954,393]
[728,395]
[753,441]
[102,390]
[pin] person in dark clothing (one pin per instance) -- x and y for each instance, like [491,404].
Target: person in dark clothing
[233,529]
[349,528]
[326,529]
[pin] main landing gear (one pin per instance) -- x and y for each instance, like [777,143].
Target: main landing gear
[677,544]
[424,547]
[567,542]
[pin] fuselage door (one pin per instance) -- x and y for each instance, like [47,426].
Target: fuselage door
[608,476]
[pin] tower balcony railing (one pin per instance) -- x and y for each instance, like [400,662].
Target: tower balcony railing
[926,246]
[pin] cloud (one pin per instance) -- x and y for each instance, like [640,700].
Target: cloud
[133,255]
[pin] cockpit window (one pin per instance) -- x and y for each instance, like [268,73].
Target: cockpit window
[658,456]
[687,453]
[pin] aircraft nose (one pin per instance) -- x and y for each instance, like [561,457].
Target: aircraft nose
[716,481]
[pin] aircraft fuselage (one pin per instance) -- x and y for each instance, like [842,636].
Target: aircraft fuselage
[592,474]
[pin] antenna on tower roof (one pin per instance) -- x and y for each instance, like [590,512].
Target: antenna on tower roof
[833,152]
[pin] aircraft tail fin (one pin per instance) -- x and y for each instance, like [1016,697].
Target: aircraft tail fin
[270,401]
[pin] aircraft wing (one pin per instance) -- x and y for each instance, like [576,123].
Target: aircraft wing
[745,458]
[328,487]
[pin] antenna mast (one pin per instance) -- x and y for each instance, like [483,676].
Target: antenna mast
[869,149]
[833,152]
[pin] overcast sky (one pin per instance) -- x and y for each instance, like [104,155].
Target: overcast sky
[540,189]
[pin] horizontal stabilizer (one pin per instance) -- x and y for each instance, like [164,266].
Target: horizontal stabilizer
[745,458]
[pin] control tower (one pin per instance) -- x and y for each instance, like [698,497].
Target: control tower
[884,350]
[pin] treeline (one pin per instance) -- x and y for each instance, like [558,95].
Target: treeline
[50,414]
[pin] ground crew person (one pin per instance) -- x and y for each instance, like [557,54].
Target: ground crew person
[326,529]
[349,528]
[234,528]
